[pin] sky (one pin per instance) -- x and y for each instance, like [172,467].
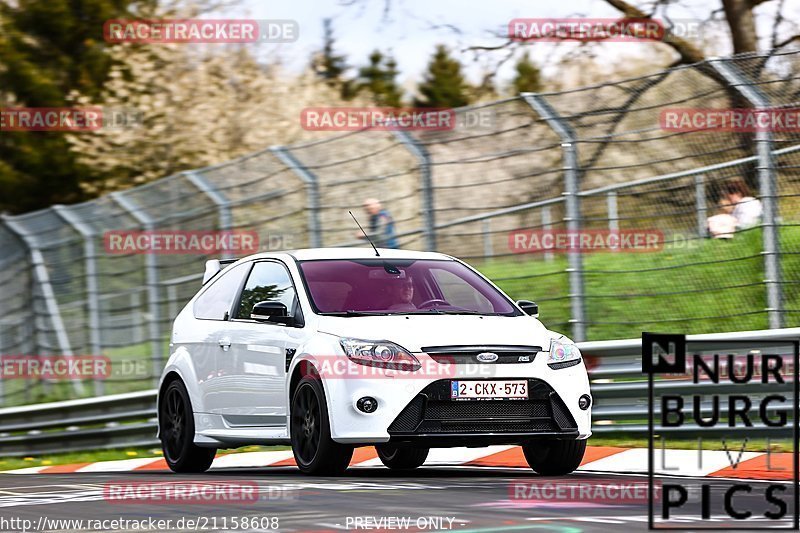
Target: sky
[413,27]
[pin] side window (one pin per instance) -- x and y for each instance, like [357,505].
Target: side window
[217,299]
[460,293]
[268,282]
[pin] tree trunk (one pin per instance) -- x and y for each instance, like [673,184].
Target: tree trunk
[739,14]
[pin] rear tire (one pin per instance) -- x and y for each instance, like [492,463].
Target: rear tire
[176,424]
[314,450]
[554,457]
[398,458]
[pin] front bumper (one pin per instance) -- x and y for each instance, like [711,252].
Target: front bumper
[412,409]
[433,418]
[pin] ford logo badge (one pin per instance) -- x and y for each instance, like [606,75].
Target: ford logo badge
[487,357]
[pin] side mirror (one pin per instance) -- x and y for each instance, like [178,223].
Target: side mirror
[529,308]
[271,312]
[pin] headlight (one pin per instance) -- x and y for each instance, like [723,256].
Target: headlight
[382,354]
[563,355]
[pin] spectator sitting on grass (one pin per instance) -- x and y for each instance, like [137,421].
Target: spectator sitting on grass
[738,209]
[746,209]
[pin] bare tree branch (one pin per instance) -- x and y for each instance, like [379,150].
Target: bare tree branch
[788,41]
[776,24]
[687,51]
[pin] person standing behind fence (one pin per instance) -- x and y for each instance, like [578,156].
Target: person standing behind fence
[381,224]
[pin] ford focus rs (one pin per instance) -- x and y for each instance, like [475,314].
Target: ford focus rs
[332,349]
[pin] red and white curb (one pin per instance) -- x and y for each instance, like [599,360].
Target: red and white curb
[603,459]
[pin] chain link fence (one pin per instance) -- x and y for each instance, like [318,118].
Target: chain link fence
[597,158]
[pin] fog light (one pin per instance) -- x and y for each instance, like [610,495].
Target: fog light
[584,402]
[367,404]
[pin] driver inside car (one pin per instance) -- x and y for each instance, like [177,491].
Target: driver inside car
[401,294]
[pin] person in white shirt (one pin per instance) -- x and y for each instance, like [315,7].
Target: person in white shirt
[739,209]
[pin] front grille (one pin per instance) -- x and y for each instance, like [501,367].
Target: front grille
[467,410]
[563,364]
[496,427]
[432,412]
[460,355]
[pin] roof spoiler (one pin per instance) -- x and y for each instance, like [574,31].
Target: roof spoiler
[213,266]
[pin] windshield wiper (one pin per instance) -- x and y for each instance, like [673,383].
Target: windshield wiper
[437,311]
[432,311]
[351,312]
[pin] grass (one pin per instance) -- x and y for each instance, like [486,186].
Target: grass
[716,285]
[12,463]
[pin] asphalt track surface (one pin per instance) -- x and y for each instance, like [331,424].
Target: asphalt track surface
[465,499]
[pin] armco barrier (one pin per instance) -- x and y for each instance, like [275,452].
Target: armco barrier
[127,420]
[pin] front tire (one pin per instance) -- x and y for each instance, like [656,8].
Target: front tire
[176,421]
[398,458]
[554,457]
[314,450]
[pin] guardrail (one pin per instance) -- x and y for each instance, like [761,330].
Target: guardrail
[106,422]
[127,420]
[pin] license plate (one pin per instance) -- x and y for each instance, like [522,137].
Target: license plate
[488,390]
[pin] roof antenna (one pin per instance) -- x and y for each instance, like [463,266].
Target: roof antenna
[365,234]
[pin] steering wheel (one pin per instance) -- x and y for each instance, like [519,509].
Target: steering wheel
[429,303]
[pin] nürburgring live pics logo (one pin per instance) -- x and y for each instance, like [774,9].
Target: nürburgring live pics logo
[737,391]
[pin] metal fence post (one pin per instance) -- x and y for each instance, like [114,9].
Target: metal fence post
[172,299]
[42,277]
[700,205]
[486,230]
[136,303]
[547,225]
[613,213]
[426,185]
[151,273]
[312,183]
[92,291]
[219,199]
[573,208]
[767,185]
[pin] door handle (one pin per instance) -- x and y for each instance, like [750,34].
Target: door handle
[225,343]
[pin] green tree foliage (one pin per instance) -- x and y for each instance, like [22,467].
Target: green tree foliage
[48,49]
[379,78]
[444,84]
[528,78]
[261,293]
[332,66]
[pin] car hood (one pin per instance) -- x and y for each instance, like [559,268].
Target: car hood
[412,332]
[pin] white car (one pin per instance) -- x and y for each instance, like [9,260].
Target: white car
[331,349]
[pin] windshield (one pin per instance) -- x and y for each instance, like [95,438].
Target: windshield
[391,286]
